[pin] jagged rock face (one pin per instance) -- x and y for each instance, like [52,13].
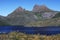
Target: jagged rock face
[48,15]
[36,8]
[41,8]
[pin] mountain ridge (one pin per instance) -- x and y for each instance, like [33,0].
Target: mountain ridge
[20,16]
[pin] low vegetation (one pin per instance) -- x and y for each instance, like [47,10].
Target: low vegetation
[23,36]
[4,23]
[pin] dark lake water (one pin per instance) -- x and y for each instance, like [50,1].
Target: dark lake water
[31,30]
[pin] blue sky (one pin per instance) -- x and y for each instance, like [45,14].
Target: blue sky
[8,6]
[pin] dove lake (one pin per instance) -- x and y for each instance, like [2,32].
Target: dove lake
[51,30]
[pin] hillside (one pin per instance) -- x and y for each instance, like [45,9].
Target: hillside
[3,21]
[49,22]
[57,15]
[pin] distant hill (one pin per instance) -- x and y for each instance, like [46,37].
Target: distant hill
[3,21]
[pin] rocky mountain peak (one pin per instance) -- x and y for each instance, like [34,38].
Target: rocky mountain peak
[19,9]
[35,8]
[39,8]
[36,5]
